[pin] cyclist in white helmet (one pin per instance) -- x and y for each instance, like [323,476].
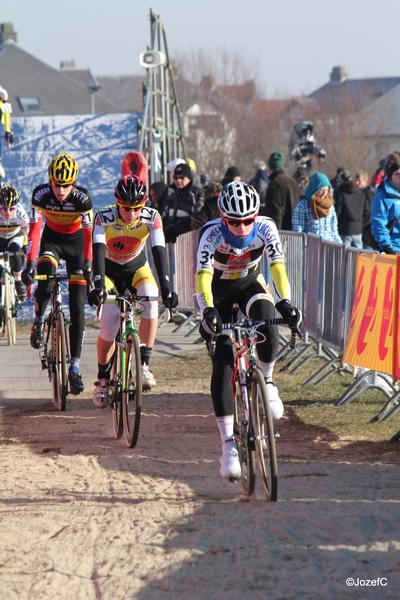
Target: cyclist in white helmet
[228,258]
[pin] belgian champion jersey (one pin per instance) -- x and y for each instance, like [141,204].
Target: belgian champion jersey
[65,217]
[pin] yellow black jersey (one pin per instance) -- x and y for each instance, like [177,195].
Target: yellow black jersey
[125,241]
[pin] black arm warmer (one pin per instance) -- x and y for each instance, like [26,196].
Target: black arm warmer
[161,264]
[99,253]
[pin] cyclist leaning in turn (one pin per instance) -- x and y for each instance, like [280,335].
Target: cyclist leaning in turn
[229,253]
[67,235]
[119,263]
[14,226]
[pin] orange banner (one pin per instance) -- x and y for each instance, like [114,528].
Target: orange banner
[372,338]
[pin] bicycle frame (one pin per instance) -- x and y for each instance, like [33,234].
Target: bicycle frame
[56,365]
[127,383]
[9,302]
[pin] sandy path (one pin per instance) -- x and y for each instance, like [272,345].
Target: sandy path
[84,517]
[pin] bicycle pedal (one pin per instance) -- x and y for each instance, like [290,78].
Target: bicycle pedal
[44,364]
[234,479]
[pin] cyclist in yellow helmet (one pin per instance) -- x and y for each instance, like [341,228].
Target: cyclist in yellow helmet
[67,234]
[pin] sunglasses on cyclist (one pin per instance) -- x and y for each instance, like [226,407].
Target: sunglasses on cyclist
[4,208]
[61,185]
[126,208]
[236,223]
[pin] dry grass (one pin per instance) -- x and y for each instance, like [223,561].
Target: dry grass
[312,405]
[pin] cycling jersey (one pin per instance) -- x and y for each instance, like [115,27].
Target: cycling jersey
[19,221]
[218,261]
[66,217]
[123,243]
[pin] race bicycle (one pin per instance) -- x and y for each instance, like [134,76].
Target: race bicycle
[55,354]
[125,385]
[253,429]
[9,303]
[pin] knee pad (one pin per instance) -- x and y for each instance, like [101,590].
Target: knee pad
[149,308]
[109,322]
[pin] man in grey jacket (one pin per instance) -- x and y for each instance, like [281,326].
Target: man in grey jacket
[282,193]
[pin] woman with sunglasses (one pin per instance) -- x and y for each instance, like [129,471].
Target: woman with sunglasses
[228,258]
[14,226]
[119,263]
[67,235]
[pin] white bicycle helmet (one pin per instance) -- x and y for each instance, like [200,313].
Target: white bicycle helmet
[238,200]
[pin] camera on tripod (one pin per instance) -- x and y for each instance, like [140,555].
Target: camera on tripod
[302,144]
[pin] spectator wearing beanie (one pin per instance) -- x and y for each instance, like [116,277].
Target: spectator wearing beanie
[352,210]
[315,213]
[232,174]
[282,193]
[184,198]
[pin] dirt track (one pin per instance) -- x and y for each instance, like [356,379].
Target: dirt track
[84,517]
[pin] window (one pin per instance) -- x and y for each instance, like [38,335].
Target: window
[30,104]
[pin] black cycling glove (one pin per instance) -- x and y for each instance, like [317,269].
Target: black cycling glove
[211,321]
[97,296]
[291,315]
[28,274]
[170,299]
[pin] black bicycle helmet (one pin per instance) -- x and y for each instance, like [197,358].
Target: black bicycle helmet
[131,190]
[9,196]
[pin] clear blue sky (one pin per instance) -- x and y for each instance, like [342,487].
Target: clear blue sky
[295,42]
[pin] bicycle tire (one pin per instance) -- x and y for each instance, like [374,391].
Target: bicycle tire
[245,446]
[9,296]
[264,436]
[132,391]
[116,397]
[59,357]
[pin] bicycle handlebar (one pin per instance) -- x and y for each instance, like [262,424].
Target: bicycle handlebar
[56,277]
[252,324]
[131,299]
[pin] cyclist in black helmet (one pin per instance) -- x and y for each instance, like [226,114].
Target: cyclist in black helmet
[119,263]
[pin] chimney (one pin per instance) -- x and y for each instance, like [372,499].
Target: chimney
[7,33]
[67,64]
[338,75]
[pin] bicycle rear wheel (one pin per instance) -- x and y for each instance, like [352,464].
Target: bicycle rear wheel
[245,446]
[263,428]
[116,399]
[132,391]
[59,357]
[9,306]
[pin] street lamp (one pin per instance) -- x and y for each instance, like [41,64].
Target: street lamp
[150,60]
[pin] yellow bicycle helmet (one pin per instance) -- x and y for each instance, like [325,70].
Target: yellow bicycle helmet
[63,169]
[9,196]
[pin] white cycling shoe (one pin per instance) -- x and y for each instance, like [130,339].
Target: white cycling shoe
[275,402]
[230,465]
[148,380]
[100,396]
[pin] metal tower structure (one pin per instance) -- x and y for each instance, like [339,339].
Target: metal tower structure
[160,133]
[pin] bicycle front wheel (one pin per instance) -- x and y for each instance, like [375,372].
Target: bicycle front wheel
[9,306]
[241,431]
[132,391]
[59,357]
[116,399]
[264,436]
